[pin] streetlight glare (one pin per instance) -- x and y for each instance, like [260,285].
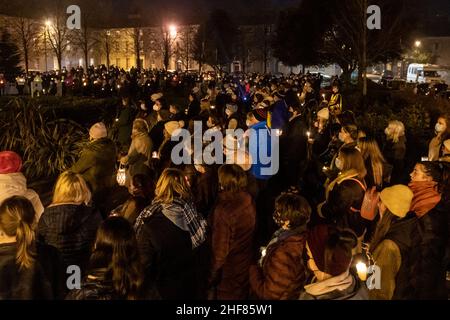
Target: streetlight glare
[48,23]
[173,30]
[418,43]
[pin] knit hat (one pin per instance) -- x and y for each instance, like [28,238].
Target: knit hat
[10,162]
[98,131]
[260,114]
[171,126]
[397,199]
[156,96]
[324,113]
[447,144]
[232,107]
[323,236]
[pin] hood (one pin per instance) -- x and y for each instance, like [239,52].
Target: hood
[13,183]
[71,216]
[401,231]
[100,144]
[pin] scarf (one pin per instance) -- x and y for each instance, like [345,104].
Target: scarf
[426,197]
[340,282]
[181,213]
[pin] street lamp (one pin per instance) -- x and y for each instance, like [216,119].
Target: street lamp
[418,43]
[173,31]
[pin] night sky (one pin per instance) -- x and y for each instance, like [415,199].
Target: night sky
[435,14]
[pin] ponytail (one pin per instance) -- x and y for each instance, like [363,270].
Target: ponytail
[16,220]
[25,240]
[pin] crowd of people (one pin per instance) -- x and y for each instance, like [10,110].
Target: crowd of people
[233,231]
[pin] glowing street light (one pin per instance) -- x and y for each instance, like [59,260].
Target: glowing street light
[48,23]
[173,30]
[418,43]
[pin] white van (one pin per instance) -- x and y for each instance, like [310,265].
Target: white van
[423,73]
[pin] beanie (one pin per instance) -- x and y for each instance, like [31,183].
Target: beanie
[10,162]
[397,199]
[98,131]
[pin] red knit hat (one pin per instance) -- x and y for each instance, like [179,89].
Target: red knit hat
[10,162]
[328,240]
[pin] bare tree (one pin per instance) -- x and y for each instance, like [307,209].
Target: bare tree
[185,45]
[107,43]
[163,41]
[85,38]
[24,32]
[58,36]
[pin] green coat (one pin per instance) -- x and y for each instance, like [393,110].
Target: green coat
[97,164]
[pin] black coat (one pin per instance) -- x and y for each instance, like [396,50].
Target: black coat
[72,230]
[293,150]
[394,153]
[168,258]
[26,284]
[430,264]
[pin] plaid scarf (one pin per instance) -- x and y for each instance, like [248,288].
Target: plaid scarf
[181,213]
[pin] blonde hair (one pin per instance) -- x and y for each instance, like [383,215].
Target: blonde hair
[172,184]
[353,160]
[370,151]
[398,130]
[17,219]
[71,188]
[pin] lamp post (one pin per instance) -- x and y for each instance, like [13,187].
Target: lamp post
[417,43]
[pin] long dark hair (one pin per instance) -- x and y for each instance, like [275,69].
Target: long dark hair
[116,250]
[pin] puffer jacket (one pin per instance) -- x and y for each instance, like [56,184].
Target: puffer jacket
[15,184]
[232,228]
[71,229]
[283,271]
[97,164]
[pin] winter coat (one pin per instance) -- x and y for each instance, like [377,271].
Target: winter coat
[139,154]
[394,153]
[157,134]
[25,284]
[282,274]
[15,184]
[394,256]
[429,263]
[344,197]
[124,125]
[72,230]
[97,164]
[293,150]
[193,109]
[168,258]
[341,287]
[259,170]
[232,228]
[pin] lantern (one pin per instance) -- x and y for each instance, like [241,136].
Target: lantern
[121,176]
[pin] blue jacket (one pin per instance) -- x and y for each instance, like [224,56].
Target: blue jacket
[256,150]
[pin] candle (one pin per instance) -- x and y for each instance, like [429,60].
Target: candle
[361,269]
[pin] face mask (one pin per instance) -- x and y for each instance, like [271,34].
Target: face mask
[143,106]
[156,107]
[341,137]
[228,112]
[439,128]
[338,163]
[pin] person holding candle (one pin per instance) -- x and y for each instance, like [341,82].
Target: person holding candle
[280,273]
[393,243]
[329,251]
